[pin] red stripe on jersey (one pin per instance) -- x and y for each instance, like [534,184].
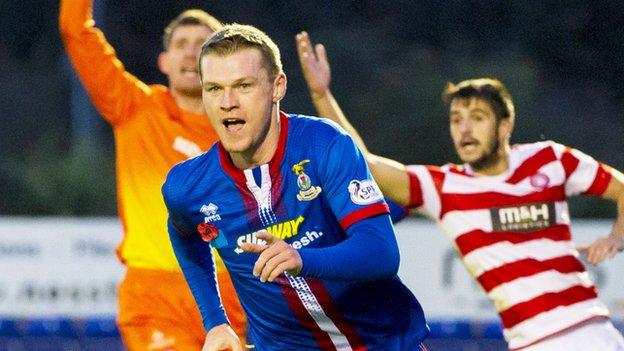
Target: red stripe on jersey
[457,170]
[276,191]
[274,164]
[601,182]
[416,196]
[438,177]
[528,267]
[531,165]
[546,302]
[296,307]
[477,239]
[326,302]
[362,213]
[251,206]
[487,200]
[569,161]
[180,230]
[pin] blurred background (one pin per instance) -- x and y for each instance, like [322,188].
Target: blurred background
[563,63]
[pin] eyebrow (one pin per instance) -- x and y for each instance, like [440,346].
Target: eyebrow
[455,111]
[479,110]
[238,81]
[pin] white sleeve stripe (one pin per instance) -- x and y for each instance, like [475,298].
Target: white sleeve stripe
[431,198]
[583,176]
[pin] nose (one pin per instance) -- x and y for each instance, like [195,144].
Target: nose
[464,126]
[192,50]
[229,100]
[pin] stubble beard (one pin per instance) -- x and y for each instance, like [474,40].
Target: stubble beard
[491,155]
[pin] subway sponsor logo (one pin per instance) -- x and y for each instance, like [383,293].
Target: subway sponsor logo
[286,229]
[283,230]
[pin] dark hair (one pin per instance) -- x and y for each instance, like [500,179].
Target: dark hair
[235,37]
[490,90]
[190,18]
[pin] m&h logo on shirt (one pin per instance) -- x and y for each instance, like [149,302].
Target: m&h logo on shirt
[523,218]
[210,211]
[307,192]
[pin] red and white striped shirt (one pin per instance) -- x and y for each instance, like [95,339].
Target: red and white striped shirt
[512,231]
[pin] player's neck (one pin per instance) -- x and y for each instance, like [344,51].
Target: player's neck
[262,153]
[499,165]
[190,103]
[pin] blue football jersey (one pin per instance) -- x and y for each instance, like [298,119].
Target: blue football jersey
[316,186]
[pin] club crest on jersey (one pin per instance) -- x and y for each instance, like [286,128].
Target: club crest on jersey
[307,191]
[539,180]
[210,211]
[364,192]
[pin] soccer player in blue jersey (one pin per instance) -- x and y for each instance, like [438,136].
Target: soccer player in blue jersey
[291,207]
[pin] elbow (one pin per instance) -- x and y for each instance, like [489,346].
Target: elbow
[67,25]
[64,29]
[395,261]
[64,21]
[390,259]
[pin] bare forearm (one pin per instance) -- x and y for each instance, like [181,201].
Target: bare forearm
[615,192]
[618,226]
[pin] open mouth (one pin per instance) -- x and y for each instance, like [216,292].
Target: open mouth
[233,124]
[468,143]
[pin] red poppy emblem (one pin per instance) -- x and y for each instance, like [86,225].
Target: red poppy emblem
[207,231]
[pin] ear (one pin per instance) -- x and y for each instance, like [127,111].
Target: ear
[505,127]
[279,87]
[163,63]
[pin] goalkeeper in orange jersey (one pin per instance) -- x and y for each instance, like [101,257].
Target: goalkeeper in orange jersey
[155,127]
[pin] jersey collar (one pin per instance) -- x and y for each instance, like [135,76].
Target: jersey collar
[237,174]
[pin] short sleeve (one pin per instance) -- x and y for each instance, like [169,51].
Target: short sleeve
[584,175]
[352,193]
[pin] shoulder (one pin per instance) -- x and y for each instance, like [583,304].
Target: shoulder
[311,127]
[184,176]
[437,170]
[540,146]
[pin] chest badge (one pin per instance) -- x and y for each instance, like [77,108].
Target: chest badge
[207,231]
[307,191]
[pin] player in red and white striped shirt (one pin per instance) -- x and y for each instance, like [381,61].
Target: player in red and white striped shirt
[505,210]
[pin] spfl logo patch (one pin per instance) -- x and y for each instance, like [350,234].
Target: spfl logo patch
[364,192]
[307,191]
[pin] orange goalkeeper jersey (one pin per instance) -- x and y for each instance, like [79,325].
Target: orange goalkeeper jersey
[151,135]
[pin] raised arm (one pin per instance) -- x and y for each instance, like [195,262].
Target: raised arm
[391,176]
[111,88]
